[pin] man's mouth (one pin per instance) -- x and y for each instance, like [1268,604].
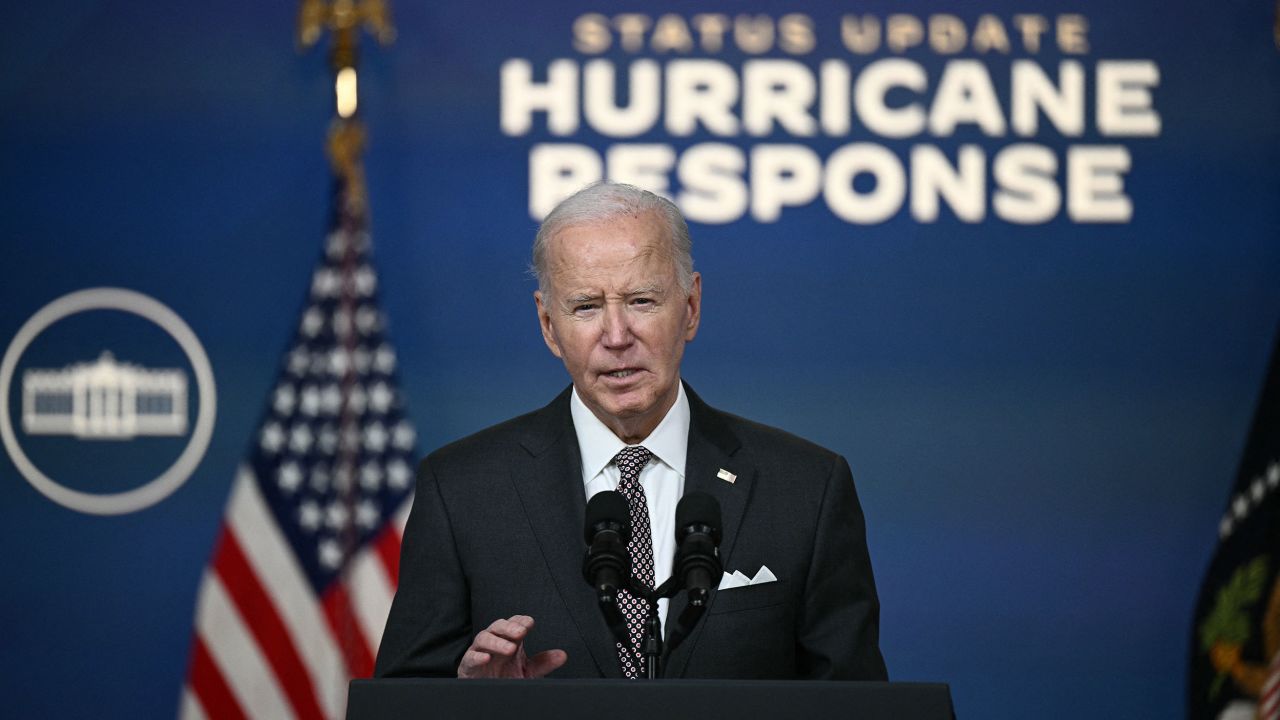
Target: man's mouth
[624,373]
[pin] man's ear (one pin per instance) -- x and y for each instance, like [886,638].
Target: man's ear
[694,307]
[544,321]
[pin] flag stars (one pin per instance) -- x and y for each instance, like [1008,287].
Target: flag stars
[310,405]
[336,245]
[368,320]
[360,241]
[320,477]
[1251,497]
[375,437]
[365,280]
[309,515]
[336,516]
[398,474]
[331,399]
[350,441]
[343,478]
[339,362]
[361,360]
[403,436]
[367,515]
[272,437]
[357,400]
[342,323]
[340,241]
[324,283]
[299,361]
[334,443]
[330,554]
[380,397]
[289,477]
[312,322]
[327,439]
[300,438]
[284,399]
[384,359]
[371,476]
[319,364]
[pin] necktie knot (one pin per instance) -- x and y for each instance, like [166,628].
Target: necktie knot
[631,460]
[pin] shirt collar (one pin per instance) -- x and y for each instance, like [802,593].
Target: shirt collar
[669,442]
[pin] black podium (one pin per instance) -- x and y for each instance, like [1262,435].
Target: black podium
[639,700]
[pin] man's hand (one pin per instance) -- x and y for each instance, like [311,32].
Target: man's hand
[498,652]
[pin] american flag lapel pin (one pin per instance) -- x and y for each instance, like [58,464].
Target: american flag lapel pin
[726,476]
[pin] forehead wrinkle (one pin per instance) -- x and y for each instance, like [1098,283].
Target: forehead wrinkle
[583,289]
[648,249]
[589,280]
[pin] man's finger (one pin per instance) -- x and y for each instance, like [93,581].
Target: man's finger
[517,627]
[493,644]
[508,630]
[472,660]
[544,662]
[523,620]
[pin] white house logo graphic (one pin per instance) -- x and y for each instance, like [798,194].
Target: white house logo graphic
[104,400]
[109,400]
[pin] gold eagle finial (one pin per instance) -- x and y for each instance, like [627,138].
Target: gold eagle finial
[345,19]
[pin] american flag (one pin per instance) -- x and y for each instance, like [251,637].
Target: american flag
[1235,643]
[293,602]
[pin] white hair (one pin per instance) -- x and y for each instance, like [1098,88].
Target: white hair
[606,200]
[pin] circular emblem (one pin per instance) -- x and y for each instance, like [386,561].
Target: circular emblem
[172,478]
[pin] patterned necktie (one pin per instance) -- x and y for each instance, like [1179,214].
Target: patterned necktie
[635,609]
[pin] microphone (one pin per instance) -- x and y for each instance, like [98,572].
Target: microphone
[697,537]
[607,566]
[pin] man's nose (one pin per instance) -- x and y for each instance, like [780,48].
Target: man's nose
[616,330]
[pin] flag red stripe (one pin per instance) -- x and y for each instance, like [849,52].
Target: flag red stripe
[342,621]
[208,684]
[388,546]
[264,622]
[1269,700]
[1269,703]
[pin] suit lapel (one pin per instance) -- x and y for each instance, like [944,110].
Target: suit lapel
[712,447]
[554,500]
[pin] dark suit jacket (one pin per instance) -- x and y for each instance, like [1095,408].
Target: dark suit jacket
[496,531]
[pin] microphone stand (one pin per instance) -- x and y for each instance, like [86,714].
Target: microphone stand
[651,644]
[655,651]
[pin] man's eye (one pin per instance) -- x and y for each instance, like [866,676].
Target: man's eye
[585,307]
[642,301]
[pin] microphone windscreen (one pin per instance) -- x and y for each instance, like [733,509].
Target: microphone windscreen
[606,507]
[698,508]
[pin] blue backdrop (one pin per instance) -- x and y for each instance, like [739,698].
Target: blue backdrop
[1043,419]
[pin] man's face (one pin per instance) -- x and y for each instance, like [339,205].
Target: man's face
[615,314]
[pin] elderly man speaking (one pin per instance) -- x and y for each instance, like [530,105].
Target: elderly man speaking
[491,582]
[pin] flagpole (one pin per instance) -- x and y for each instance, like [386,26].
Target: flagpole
[345,19]
[293,601]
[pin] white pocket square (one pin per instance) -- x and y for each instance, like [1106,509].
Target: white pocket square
[737,579]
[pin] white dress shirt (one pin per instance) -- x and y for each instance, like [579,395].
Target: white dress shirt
[662,479]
